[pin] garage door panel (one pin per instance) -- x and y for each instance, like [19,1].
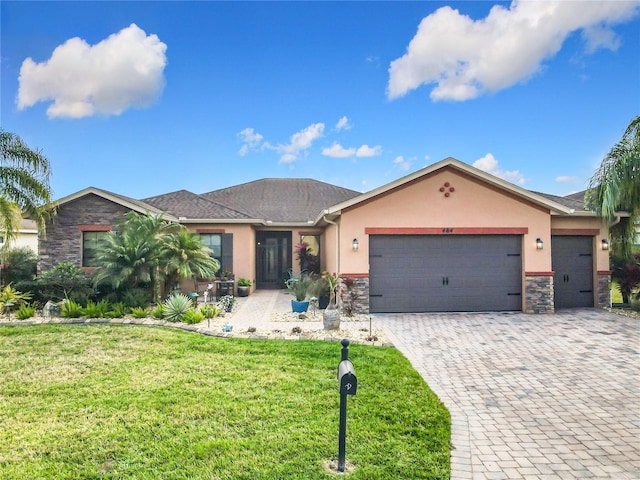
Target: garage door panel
[416,273]
[573,271]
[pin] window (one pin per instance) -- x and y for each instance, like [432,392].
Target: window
[214,242]
[90,243]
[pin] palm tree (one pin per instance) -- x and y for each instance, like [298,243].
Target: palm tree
[615,187]
[130,255]
[24,185]
[184,256]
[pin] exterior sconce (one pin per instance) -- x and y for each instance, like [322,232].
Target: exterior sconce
[355,245]
[605,244]
[539,244]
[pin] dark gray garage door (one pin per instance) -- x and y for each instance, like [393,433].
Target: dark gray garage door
[572,260]
[445,273]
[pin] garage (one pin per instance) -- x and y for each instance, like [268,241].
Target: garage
[572,258]
[445,273]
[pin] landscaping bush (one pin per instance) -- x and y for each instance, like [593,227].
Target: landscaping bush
[64,281]
[193,316]
[138,297]
[10,297]
[139,312]
[24,312]
[175,307]
[71,309]
[19,265]
[118,310]
[96,310]
[210,311]
[157,311]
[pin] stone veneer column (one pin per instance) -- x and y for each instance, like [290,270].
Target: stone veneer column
[355,290]
[604,289]
[538,292]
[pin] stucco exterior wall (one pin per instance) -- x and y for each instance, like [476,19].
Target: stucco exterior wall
[471,204]
[63,239]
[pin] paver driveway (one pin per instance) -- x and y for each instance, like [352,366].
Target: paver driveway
[532,396]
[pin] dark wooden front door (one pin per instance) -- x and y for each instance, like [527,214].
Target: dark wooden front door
[273,258]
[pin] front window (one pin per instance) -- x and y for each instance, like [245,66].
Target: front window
[214,242]
[90,243]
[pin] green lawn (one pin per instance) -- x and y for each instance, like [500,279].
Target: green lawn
[132,402]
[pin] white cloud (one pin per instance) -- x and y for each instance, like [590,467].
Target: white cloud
[250,140]
[466,58]
[343,124]
[367,151]
[489,164]
[338,151]
[402,164]
[566,179]
[125,70]
[299,142]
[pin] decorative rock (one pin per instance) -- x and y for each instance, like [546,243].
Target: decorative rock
[51,309]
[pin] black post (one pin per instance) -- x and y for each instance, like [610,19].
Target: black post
[342,435]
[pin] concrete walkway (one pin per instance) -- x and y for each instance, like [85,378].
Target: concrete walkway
[532,396]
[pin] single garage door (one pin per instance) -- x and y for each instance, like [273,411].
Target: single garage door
[445,273]
[572,261]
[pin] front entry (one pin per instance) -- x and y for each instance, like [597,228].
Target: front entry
[273,258]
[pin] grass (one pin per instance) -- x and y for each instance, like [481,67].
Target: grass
[116,402]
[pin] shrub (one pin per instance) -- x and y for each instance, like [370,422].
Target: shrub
[139,312]
[226,303]
[193,316]
[244,282]
[157,311]
[25,311]
[137,297]
[175,307]
[64,281]
[71,309]
[19,265]
[10,297]
[210,311]
[96,310]
[118,310]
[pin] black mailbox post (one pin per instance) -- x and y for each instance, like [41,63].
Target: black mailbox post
[348,386]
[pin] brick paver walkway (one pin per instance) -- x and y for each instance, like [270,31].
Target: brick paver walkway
[532,396]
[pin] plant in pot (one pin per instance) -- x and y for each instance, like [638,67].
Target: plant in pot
[298,287]
[319,288]
[244,287]
[331,314]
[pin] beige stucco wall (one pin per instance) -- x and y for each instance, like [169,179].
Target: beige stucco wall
[27,236]
[470,205]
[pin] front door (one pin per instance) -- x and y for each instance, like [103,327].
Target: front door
[273,258]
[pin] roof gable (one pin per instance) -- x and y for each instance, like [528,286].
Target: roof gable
[491,180]
[130,203]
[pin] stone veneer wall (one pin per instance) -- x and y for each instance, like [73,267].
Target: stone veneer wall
[539,294]
[604,290]
[355,294]
[62,241]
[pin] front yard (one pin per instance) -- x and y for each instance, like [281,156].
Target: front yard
[113,402]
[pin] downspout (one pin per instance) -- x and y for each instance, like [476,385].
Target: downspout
[324,217]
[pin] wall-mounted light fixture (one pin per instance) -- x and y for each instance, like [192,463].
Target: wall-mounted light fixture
[539,244]
[355,245]
[605,244]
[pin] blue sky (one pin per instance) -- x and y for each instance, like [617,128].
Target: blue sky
[145,98]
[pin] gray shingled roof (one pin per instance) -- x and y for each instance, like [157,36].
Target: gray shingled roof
[189,205]
[282,199]
[575,200]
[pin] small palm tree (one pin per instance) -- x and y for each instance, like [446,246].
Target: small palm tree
[184,255]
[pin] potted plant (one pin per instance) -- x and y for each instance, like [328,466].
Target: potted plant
[319,288]
[244,287]
[331,314]
[298,287]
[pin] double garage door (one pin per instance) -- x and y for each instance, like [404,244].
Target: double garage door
[445,273]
